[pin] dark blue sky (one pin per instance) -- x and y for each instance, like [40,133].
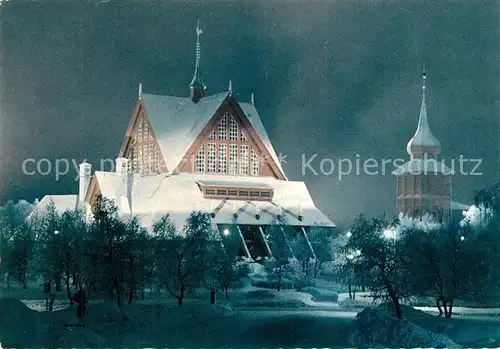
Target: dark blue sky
[337,79]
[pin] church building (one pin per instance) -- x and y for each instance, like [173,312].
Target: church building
[424,183]
[201,152]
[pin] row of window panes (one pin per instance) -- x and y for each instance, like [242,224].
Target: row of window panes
[226,164]
[242,193]
[227,128]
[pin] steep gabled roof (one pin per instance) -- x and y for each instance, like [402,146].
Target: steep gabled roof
[177,122]
[62,203]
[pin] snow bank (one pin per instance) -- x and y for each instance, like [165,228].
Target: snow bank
[378,327]
[321,295]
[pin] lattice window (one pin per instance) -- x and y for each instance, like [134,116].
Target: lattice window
[200,160]
[222,128]
[146,130]
[211,157]
[140,164]
[157,159]
[265,194]
[139,131]
[255,163]
[222,158]
[255,194]
[233,159]
[232,193]
[243,137]
[213,135]
[244,159]
[233,129]
[243,193]
[210,192]
[221,192]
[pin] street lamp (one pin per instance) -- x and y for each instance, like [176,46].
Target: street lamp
[226,232]
[462,238]
[348,234]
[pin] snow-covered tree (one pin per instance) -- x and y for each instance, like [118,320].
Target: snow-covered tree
[280,247]
[375,256]
[184,258]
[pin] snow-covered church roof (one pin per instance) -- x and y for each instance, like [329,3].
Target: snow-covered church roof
[177,122]
[150,197]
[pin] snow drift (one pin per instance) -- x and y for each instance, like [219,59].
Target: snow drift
[379,327]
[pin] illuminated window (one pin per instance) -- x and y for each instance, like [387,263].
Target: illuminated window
[243,137]
[211,157]
[232,193]
[244,160]
[140,164]
[255,194]
[146,130]
[221,192]
[255,163]
[265,194]
[139,131]
[200,160]
[213,135]
[210,192]
[222,158]
[243,193]
[157,159]
[233,129]
[233,159]
[222,128]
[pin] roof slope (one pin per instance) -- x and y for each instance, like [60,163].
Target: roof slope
[62,203]
[177,122]
[150,197]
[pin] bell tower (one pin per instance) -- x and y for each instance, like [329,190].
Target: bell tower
[423,183]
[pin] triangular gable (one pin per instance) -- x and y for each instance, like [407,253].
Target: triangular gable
[149,158]
[257,140]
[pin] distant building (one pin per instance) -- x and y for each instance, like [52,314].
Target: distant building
[202,152]
[424,184]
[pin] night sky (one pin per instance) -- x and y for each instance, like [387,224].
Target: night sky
[335,79]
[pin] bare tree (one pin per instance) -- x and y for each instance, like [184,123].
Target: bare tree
[183,259]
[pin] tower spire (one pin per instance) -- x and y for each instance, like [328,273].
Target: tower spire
[423,142]
[197,87]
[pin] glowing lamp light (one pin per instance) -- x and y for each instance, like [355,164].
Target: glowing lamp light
[226,232]
[389,234]
[348,234]
[56,232]
[462,238]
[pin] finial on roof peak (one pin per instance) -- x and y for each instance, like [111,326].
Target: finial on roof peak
[252,100]
[423,142]
[197,87]
[140,90]
[230,88]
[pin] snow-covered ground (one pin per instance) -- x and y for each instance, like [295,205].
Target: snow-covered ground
[253,317]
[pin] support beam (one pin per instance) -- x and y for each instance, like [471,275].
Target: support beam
[308,242]
[269,253]
[245,247]
[287,242]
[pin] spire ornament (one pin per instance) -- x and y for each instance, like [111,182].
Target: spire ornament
[423,143]
[230,88]
[140,90]
[252,100]
[197,87]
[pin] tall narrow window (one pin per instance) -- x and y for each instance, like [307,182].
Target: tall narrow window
[243,137]
[233,159]
[233,129]
[213,135]
[222,128]
[139,130]
[222,158]
[140,165]
[255,163]
[146,131]
[244,160]
[151,157]
[157,159]
[211,157]
[200,160]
